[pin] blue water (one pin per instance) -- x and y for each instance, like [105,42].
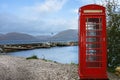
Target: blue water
[59,54]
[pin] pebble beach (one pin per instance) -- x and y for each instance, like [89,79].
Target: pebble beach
[18,68]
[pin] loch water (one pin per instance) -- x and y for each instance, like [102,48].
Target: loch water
[64,55]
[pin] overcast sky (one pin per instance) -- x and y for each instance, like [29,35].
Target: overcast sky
[39,17]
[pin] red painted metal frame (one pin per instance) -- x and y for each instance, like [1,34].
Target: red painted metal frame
[85,72]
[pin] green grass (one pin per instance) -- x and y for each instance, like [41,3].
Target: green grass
[112,70]
[49,60]
[32,57]
[72,63]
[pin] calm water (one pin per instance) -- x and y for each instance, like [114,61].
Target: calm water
[59,54]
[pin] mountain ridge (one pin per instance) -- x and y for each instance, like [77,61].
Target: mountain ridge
[66,35]
[16,36]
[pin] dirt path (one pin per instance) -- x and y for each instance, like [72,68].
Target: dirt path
[17,68]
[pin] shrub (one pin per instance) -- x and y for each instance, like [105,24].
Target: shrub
[32,57]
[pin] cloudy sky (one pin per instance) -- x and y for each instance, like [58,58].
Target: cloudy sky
[39,17]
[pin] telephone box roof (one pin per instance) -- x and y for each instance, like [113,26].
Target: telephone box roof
[92,7]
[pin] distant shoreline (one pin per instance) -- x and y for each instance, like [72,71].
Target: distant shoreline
[19,47]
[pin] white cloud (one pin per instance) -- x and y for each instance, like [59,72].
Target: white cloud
[11,23]
[46,6]
[76,11]
[39,10]
[40,18]
[60,24]
[85,2]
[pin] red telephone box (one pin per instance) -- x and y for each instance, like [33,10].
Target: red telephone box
[92,43]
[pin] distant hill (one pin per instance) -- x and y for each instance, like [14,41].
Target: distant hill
[43,37]
[1,34]
[67,35]
[17,36]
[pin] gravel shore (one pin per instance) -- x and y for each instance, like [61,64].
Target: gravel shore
[18,68]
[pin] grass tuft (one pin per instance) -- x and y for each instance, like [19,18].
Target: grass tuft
[32,57]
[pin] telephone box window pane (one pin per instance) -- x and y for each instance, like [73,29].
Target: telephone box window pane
[93,39]
[93,45]
[91,58]
[93,24]
[92,51]
[93,33]
[98,26]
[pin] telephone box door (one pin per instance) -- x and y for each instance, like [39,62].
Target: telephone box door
[94,43]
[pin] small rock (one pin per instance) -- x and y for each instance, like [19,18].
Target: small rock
[117,71]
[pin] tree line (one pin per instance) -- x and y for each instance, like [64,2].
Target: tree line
[113,33]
